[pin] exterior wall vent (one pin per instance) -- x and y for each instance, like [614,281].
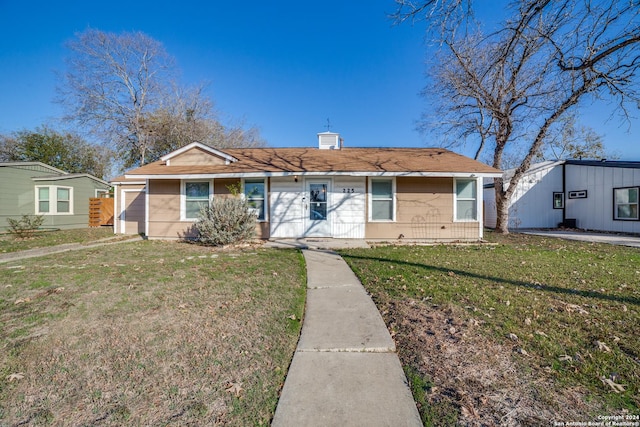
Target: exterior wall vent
[328,141]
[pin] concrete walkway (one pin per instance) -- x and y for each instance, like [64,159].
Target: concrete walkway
[47,250]
[585,236]
[345,371]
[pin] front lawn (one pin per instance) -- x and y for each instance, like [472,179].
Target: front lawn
[148,333]
[44,238]
[526,331]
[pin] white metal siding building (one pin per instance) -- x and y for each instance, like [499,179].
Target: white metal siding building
[587,194]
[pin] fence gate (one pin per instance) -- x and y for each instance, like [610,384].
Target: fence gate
[100,211]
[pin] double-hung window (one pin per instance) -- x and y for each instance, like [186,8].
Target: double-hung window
[196,196]
[254,192]
[625,202]
[466,200]
[382,200]
[43,203]
[63,200]
[54,200]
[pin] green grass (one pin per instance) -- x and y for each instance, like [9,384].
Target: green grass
[9,243]
[148,333]
[558,297]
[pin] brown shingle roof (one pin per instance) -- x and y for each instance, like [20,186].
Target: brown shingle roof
[313,160]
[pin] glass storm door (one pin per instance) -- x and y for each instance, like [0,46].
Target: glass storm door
[316,209]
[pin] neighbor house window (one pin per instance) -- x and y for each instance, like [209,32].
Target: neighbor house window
[382,201]
[54,200]
[466,200]
[196,196]
[43,200]
[625,203]
[558,200]
[63,203]
[255,196]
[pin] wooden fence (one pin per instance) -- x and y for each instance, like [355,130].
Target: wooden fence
[100,211]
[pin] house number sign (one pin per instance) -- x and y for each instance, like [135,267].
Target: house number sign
[348,190]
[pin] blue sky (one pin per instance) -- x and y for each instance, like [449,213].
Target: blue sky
[283,66]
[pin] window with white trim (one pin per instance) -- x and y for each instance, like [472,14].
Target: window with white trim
[466,200]
[197,194]
[254,193]
[382,206]
[42,203]
[54,200]
[63,200]
[625,202]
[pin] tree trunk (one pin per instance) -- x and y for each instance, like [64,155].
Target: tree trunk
[502,210]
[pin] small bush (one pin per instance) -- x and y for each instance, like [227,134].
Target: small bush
[26,226]
[227,220]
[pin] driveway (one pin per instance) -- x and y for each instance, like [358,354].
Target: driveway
[585,236]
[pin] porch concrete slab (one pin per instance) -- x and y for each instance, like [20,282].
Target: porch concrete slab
[317,243]
[346,389]
[327,269]
[343,319]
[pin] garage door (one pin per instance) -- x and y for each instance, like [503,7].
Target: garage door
[133,215]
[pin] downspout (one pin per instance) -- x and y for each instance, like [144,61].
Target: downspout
[146,209]
[116,218]
[564,193]
[480,206]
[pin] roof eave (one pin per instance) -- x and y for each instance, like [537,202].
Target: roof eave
[307,173]
[69,176]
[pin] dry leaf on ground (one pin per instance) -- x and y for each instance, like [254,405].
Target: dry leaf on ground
[15,377]
[618,388]
[602,346]
[235,389]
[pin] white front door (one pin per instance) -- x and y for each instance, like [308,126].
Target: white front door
[317,209]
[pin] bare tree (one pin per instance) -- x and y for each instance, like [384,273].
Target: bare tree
[571,140]
[123,89]
[510,89]
[189,116]
[113,82]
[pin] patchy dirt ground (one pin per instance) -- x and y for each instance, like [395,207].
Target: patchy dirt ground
[149,333]
[471,380]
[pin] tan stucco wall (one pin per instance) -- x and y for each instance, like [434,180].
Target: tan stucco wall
[424,210]
[195,157]
[164,209]
[220,186]
[164,200]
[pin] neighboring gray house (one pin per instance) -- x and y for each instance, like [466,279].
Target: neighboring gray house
[587,194]
[35,188]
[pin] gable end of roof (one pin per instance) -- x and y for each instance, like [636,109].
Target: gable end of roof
[213,151]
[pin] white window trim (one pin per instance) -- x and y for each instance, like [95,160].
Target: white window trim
[615,205]
[99,192]
[370,199]
[265,196]
[183,196]
[53,200]
[455,200]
